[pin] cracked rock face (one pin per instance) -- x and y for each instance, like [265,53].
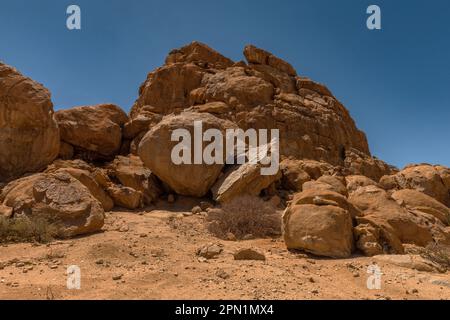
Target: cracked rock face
[265,93]
[29,136]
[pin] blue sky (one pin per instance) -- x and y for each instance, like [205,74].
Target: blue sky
[395,81]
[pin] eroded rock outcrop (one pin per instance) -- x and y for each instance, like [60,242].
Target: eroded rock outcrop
[95,132]
[57,197]
[157,146]
[431,180]
[266,93]
[29,136]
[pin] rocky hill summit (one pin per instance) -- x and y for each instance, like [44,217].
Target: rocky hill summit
[72,166]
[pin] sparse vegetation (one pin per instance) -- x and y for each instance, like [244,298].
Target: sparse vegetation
[244,216]
[437,253]
[27,229]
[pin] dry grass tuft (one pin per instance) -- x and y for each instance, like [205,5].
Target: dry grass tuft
[245,216]
[27,229]
[437,253]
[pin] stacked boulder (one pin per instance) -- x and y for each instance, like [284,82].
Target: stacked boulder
[333,216]
[29,135]
[340,198]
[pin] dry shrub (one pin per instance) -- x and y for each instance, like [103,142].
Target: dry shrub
[437,253]
[27,229]
[244,216]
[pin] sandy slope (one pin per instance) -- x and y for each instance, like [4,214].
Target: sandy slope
[152,255]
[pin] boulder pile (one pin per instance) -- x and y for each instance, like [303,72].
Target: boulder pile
[74,165]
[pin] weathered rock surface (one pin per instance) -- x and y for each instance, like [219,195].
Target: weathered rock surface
[130,172]
[59,198]
[321,230]
[94,131]
[417,201]
[156,149]
[394,225]
[29,136]
[265,94]
[245,179]
[431,180]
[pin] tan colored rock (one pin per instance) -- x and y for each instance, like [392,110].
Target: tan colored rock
[320,230]
[199,53]
[156,148]
[126,197]
[359,163]
[165,89]
[249,254]
[245,179]
[59,198]
[293,175]
[130,172]
[261,57]
[356,181]
[95,130]
[86,178]
[424,178]
[416,200]
[234,87]
[325,197]
[29,136]
[337,183]
[394,224]
[262,95]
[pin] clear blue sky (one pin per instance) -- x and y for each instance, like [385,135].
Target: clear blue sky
[395,82]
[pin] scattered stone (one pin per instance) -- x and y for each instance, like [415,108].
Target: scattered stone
[117,277]
[249,254]
[222,274]
[196,210]
[210,251]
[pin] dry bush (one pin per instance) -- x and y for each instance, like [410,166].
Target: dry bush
[27,229]
[437,253]
[244,216]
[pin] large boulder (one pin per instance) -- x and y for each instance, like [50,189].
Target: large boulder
[431,180]
[266,93]
[29,136]
[57,197]
[155,150]
[94,131]
[387,225]
[321,230]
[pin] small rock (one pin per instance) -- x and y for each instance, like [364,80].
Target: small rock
[117,276]
[100,261]
[209,251]
[124,228]
[249,254]
[222,274]
[196,210]
[205,205]
[170,198]
[231,237]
